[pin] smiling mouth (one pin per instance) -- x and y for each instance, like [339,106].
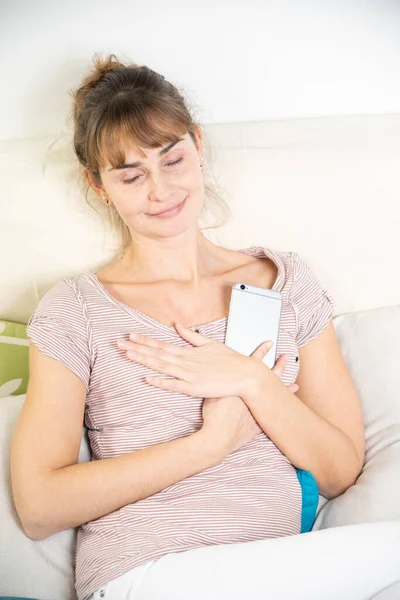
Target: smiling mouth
[170,211]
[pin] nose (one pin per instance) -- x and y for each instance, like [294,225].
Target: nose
[160,190]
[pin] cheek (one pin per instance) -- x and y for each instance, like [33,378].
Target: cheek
[128,205]
[189,179]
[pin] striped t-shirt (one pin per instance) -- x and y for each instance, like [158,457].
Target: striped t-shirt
[252,494]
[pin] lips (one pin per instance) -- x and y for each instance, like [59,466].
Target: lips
[168,209]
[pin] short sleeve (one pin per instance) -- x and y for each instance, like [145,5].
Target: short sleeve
[313,304]
[59,329]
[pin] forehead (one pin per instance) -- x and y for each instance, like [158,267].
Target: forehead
[130,154]
[135,151]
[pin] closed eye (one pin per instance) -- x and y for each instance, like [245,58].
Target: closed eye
[171,164]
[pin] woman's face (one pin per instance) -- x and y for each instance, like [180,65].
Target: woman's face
[154,182]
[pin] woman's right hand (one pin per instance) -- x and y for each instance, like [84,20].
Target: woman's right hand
[228,420]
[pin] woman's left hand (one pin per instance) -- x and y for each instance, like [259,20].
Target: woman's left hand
[207,369]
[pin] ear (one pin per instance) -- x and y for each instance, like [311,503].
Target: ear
[92,182]
[199,141]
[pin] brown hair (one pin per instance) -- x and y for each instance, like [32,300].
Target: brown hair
[116,105]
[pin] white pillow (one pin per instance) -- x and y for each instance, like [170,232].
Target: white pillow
[370,342]
[42,569]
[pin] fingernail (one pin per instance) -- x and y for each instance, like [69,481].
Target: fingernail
[268,345]
[124,345]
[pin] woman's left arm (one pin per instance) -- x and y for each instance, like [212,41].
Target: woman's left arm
[321,427]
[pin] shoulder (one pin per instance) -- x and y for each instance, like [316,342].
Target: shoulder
[284,261]
[308,287]
[311,301]
[59,329]
[60,301]
[297,275]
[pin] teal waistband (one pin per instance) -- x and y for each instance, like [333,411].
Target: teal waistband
[310,498]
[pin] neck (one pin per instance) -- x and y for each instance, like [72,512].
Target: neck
[185,259]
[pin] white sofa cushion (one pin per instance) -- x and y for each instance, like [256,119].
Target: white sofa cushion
[370,344]
[43,569]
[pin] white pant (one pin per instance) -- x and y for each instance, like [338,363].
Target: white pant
[353,562]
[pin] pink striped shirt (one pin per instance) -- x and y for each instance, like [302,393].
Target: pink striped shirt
[251,495]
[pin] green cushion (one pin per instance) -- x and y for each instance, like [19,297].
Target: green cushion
[14,359]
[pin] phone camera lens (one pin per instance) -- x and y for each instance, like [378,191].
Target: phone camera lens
[242,287]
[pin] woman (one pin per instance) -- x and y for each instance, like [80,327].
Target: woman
[215,450]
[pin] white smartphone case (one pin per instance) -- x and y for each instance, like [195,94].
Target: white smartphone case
[254,317]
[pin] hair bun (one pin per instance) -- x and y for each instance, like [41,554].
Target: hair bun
[102,66]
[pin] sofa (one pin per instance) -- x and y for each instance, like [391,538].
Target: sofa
[327,188]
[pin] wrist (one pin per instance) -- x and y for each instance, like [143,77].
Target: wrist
[256,381]
[211,445]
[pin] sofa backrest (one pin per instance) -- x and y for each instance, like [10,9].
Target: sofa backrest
[327,188]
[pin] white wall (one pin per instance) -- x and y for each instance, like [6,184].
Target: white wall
[237,60]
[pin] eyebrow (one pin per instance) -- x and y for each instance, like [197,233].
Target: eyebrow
[138,163]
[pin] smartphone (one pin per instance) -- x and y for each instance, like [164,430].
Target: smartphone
[254,317]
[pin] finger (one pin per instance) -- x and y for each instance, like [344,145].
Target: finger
[262,350]
[148,342]
[160,365]
[192,336]
[175,385]
[293,388]
[141,350]
[280,365]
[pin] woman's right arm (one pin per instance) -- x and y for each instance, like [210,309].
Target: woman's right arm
[52,491]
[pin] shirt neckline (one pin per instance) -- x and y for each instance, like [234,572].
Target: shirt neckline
[153,323]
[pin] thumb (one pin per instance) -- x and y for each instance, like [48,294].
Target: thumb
[262,350]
